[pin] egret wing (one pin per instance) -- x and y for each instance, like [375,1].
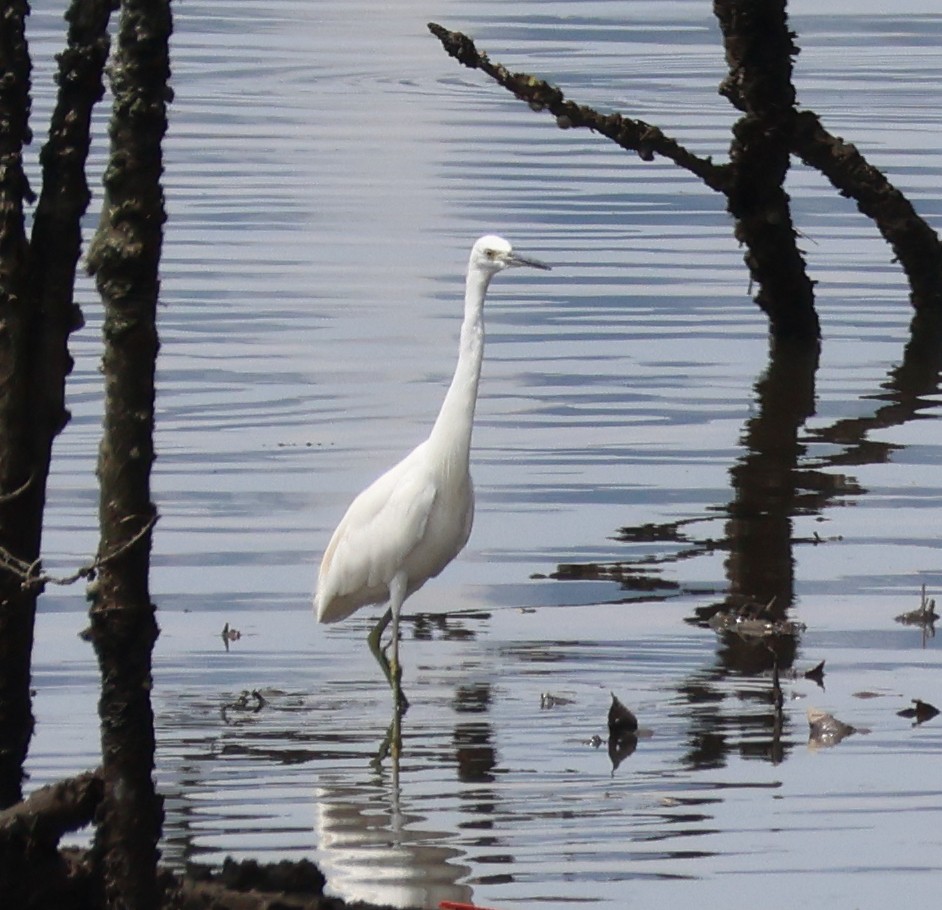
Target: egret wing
[381,527]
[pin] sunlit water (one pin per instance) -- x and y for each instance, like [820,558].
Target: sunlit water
[327,169]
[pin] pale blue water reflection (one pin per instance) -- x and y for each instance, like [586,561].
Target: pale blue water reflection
[328,168]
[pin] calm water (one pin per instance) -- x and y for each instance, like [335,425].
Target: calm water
[639,465]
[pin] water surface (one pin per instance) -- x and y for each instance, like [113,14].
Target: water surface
[639,464]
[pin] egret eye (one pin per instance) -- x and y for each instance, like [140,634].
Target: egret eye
[490,253]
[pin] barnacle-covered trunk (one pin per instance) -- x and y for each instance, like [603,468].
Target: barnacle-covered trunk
[37,315]
[124,257]
[759,50]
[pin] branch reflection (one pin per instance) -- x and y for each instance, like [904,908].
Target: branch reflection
[777,478]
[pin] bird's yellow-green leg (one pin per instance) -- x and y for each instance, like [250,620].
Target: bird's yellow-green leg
[375,642]
[392,669]
[395,671]
[397,594]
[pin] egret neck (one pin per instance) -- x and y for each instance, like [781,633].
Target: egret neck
[452,431]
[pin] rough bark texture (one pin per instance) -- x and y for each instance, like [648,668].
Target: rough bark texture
[37,314]
[67,881]
[752,181]
[19,529]
[759,51]
[33,873]
[56,238]
[124,258]
[52,811]
[915,244]
[633,135]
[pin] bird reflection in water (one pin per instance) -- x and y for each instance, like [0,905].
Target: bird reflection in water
[370,850]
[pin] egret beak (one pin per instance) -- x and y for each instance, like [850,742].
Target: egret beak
[515,259]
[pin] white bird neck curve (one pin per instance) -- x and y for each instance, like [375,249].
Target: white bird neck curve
[451,434]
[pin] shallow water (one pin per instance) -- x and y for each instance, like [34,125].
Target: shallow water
[638,463]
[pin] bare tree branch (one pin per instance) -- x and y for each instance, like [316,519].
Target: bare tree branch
[752,180]
[633,135]
[37,315]
[19,526]
[759,50]
[915,244]
[56,238]
[52,811]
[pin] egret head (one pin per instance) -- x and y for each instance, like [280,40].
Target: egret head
[492,254]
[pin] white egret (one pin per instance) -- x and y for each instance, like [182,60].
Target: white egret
[412,521]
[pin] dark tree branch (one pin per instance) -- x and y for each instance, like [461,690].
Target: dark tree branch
[48,813]
[915,244]
[57,225]
[33,873]
[37,315]
[19,529]
[752,181]
[632,135]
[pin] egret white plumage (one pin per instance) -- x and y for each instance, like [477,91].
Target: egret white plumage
[412,521]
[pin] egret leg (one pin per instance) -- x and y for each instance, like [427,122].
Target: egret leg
[391,668]
[397,594]
[376,647]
